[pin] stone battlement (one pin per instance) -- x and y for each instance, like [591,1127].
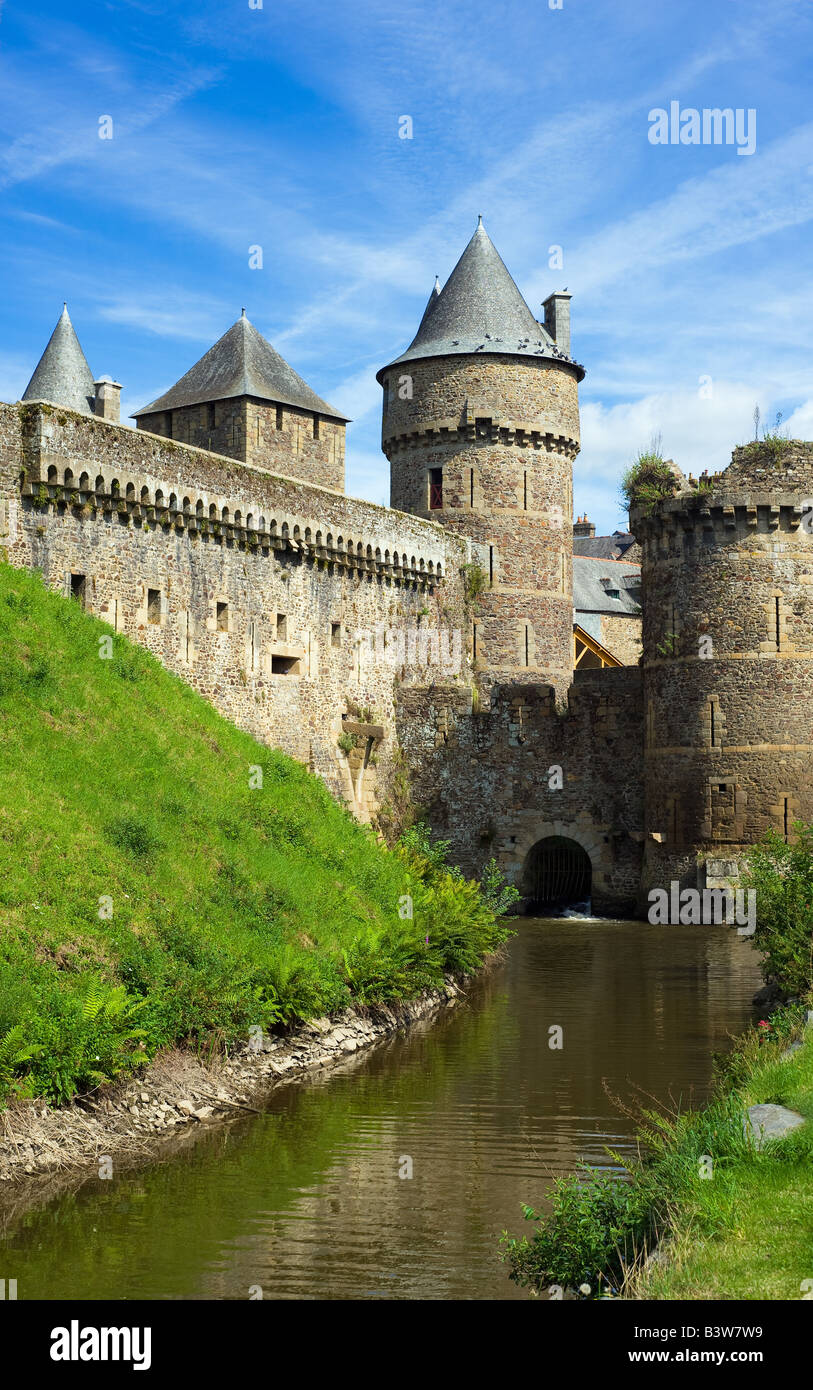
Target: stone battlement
[486,428]
[72,461]
[725,514]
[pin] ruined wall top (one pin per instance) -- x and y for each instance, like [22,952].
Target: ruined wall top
[767,482]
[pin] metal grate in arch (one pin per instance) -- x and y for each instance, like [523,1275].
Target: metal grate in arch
[557,872]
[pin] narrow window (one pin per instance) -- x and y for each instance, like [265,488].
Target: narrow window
[471,487]
[474,641]
[525,492]
[252,637]
[222,617]
[188,649]
[284,666]
[713,726]
[279,417]
[491,564]
[785,818]
[316,426]
[527,663]
[282,627]
[210,415]
[335,634]
[776,621]
[78,588]
[435,488]
[153,605]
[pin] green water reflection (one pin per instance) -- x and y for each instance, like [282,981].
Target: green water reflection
[306,1201]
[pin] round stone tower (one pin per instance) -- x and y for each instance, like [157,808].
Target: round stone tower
[727,583]
[481,427]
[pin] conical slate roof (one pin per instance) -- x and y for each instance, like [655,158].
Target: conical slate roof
[430,304]
[241,363]
[479,309]
[62,375]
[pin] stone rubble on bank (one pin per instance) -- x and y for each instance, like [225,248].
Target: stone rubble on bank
[128,1120]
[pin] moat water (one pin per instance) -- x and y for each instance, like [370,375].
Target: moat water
[306,1202]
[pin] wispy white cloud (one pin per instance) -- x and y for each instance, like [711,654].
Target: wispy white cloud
[168,313]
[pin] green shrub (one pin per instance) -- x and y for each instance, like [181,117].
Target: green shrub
[475,581]
[782,876]
[648,479]
[593,1231]
[498,895]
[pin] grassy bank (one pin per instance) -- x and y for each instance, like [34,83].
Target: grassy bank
[155,888]
[747,1232]
[729,1219]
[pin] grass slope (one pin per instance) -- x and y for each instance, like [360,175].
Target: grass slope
[747,1233]
[149,894]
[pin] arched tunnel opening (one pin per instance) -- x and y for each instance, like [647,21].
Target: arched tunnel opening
[558,874]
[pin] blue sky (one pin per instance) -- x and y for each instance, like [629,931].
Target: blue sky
[235,127]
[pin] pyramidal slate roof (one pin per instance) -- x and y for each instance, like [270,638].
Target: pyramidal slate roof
[479,309]
[62,375]
[241,363]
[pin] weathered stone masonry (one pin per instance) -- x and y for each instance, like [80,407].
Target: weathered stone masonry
[249,586]
[485,776]
[499,437]
[727,582]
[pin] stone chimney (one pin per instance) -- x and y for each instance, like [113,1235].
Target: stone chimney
[108,398]
[557,319]
[583,527]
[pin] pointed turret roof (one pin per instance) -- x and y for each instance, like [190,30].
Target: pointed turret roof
[430,304]
[480,309]
[241,363]
[62,375]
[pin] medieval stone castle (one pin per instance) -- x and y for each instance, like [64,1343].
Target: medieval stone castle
[594,747]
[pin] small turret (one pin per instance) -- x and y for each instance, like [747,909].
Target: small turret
[481,426]
[62,375]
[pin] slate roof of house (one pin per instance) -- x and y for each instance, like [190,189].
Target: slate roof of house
[613,547]
[480,309]
[62,375]
[593,577]
[241,363]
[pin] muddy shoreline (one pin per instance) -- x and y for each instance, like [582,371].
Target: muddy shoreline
[159,1111]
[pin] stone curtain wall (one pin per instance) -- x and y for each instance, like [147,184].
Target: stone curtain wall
[503,432]
[490,784]
[250,587]
[728,685]
[280,439]
[621,635]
